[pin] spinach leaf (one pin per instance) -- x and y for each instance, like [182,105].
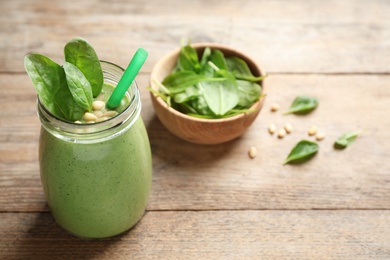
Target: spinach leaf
[221,73]
[207,71]
[241,70]
[205,68]
[302,105]
[79,86]
[158,93]
[346,139]
[188,59]
[49,81]
[220,96]
[218,59]
[249,92]
[81,54]
[200,105]
[189,94]
[302,152]
[238,67]
[179,81]
[205,56]
[161,87]
[187,108]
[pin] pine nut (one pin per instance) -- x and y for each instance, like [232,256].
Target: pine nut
[110,113]
[252,152]
[271,129]
[89,117]
[77,122]
[98,113]
[98,105]
[288,128]
[312,130]
[274,107]
[320,136]
[281,133]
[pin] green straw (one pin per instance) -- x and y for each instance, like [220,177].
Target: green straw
[128,76]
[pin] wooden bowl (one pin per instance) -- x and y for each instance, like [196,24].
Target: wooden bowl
[196,130]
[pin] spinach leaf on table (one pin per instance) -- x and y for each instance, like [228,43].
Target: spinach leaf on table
[50,82]
[302,105]
[302,152]
[81,54]
[346,139]
[79,86]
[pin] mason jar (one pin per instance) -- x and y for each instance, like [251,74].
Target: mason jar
[96,177]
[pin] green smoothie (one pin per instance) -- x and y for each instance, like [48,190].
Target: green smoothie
[95,163]
[97,181]
[100,189]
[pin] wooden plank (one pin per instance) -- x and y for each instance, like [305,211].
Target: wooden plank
[224,177]
[194,177]
[209,235]
[288,36]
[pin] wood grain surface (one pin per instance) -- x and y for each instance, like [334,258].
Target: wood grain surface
[188,176]
[214,202]
[285,36]
[209,235]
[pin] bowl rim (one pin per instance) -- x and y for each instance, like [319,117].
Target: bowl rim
[255,107]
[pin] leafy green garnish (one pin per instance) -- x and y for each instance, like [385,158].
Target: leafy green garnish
[79,86]
[67,91]
[213,87]
[302,152]
[302,105]
[81,54]
[346,139]
[50,82]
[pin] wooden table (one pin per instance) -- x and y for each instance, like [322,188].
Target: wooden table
[214,202]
